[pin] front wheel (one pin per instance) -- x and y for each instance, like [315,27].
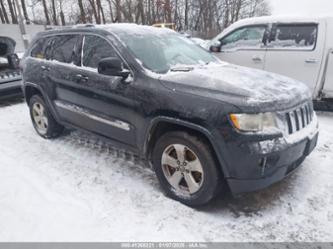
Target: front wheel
[44,123]
[186,168]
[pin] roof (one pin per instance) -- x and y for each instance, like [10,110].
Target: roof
[284,18]
[129,28]
[134,29]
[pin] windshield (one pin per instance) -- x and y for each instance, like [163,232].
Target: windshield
[163,52]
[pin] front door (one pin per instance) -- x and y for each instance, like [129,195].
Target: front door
[245,46]
[296,51]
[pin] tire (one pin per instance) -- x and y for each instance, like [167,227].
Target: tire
[44,123]
[205,185]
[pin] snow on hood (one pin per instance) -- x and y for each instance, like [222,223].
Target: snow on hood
[246,86]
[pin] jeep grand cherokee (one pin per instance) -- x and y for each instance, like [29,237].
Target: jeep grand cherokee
[203,124]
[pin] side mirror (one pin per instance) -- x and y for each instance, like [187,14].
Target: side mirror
[112,66]
[215,47]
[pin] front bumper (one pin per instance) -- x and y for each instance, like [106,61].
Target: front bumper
[268,162]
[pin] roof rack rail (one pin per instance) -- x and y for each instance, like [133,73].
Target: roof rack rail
[87,25]
[57,27]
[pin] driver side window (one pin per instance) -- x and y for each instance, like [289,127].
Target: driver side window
[251,37]
[94,49]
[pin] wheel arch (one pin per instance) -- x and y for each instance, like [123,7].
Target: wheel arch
[161,125]
[31,89]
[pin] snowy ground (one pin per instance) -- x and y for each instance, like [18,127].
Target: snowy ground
[77,188]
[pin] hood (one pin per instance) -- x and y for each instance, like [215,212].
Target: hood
[250,89]
[7,46]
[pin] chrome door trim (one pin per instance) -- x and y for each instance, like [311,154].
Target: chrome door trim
[79,110]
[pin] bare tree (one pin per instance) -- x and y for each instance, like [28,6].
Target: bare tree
[12,11]
[25,12]
[82,12]
[54,12]
[100,12]
[110,9]
[62,15]
[46,14]
[118,11]
[204,17]
[4,12]
[95,11]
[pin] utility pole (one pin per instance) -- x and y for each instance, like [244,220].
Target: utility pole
[22,25]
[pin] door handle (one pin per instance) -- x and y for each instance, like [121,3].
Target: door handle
[45,68]
[81,77]
[257,59]
[311,61]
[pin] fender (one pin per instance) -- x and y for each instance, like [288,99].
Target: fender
[155,121]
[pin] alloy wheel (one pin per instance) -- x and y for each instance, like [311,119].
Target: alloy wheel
[40,118]
[182,169]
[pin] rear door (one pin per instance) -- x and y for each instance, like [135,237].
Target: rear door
[63,59]
[37,65]
[296,50]
[245,46]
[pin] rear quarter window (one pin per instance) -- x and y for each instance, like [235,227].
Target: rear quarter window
[60,48]
[39,48]
[294,36]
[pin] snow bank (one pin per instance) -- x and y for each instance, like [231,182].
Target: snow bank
[77,188]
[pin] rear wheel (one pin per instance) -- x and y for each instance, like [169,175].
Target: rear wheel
[186,168]
[42,119]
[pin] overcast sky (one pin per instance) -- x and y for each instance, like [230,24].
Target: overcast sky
[280,7]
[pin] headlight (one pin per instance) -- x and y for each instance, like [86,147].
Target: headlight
[255,122]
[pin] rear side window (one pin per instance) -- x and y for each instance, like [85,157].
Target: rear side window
[245,38]
[95,49]
[63,48]
[294,36]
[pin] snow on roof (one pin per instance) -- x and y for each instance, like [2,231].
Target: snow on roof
[134,29]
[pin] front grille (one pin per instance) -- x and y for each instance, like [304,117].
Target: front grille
[299,118]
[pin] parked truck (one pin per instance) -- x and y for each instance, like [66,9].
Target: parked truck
[298,47]
[10,75]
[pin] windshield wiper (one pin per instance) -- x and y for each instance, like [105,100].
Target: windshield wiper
[181,69]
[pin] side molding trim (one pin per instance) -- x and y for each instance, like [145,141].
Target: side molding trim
[73,108]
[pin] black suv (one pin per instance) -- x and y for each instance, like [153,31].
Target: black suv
[203,124]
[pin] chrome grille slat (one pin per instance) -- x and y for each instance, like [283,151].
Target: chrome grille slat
[290,128]
[302,117]
[299,118]
[292,121]
[306,115]
[296,120]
